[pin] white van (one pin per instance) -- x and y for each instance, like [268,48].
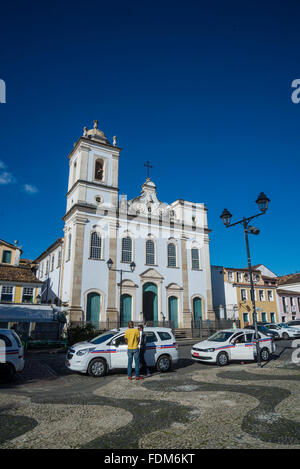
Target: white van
[109,351]
[11,353]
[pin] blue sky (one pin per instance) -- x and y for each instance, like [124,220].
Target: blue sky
[201,89]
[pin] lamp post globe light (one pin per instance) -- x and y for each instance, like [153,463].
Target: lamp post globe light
[226,217]
[132,269]
[263,203]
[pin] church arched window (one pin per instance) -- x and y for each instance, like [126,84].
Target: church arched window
[96,245]
[99,170]
[195,259]
[171,255]
[150,252]
[126,249]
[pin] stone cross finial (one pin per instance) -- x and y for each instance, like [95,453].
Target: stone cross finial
[114,141]
[148,166]
[95,124]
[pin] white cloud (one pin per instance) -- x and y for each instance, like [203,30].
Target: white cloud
[30,189]
[2,165]
[6,178]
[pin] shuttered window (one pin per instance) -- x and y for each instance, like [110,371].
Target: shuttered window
[171,255]
[7,293]
[27,296]
[59,259]
[195,259]
[150,252]
[6,257]
[126,249]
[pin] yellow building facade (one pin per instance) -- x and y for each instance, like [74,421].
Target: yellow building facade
[18,283]
[265,295]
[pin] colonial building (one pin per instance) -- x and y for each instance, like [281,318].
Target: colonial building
[20,290]
[232,299]
[50,270]
[9,253]
[162,249]
[289,297]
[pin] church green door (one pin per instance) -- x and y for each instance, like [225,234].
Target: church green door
[93,308]
[150,309]
[126,302]
[173,310]
[197,309]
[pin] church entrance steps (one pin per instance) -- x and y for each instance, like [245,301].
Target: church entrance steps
[182,333]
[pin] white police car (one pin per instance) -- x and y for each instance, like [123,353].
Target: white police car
[11,353]
[109,351]
[232,344]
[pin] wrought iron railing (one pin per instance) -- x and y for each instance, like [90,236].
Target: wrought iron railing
[205,328]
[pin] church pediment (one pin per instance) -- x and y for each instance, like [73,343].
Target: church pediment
[148,202]
[128,284]
[173,286]
[151,273]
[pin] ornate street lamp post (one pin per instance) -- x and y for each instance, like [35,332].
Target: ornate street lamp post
[262,202]
[132,268]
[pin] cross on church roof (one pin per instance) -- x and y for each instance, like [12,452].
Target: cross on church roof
[148,166]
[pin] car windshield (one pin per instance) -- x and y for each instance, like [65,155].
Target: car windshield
[283,325]
[220,336]
[273,326]
[103,337]
[262,329]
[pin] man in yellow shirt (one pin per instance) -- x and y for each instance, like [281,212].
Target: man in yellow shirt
[132,338]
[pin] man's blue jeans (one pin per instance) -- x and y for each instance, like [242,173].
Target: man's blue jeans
[133,353]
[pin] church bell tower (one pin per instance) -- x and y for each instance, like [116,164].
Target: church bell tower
[92,193]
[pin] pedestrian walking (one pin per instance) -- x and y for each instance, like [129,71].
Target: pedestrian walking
[143,347]
[132,339]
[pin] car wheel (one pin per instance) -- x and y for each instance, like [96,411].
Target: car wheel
[164,364]
[7,372]
[265,355]
[97,368]
[285,336]
[222,359]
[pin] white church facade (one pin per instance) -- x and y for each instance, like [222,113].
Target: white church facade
[158,253]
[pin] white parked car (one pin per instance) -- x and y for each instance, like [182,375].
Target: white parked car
[295,323]
[109,351]
[11,353]
[284,330]
[232,344]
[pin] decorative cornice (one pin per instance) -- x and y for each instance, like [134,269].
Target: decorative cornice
[81,208]
[90,142]
[94,184]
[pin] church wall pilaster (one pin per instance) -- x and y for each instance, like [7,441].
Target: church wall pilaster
[75,309]
[186,312]
[112,311]
[209,300]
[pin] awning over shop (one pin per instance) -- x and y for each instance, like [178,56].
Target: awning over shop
[27,313]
